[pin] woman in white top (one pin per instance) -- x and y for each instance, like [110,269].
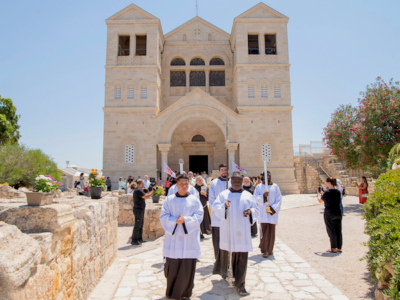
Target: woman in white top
[81,180]
[132,187]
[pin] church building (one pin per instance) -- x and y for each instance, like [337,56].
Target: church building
[169,96]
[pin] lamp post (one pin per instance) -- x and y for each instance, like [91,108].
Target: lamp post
[181,166]
[67,163]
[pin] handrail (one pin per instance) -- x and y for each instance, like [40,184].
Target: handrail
[319,165]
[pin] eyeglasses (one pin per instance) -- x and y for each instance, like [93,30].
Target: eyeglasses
[182,184]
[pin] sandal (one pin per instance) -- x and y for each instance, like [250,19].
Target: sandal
[339,250]
[331,251]
[265,254]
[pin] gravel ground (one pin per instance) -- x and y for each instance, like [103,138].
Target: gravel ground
[303,230]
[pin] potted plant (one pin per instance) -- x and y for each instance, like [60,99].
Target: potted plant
[157,193]
[43,191]
[97,184]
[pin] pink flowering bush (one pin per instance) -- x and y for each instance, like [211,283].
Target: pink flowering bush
[45,184]
[363,136]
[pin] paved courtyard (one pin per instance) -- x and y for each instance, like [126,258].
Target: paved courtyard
[282,276]
[294,272]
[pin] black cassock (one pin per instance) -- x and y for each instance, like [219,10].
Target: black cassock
[205,226]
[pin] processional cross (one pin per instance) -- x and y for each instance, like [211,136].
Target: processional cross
[230,272]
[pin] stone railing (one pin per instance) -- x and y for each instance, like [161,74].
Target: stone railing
[152,227]
[263,59]
[58,251]
[132,60]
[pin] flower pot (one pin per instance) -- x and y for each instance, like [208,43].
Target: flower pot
[156,198]
[95,192]
[39,198]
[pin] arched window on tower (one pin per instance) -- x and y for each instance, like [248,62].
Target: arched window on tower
[264,91]
[277,91]
[178,62]
[250,91]
[197,62]
[216,62]
[198,138]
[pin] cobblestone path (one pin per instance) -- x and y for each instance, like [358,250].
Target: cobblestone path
[284,275]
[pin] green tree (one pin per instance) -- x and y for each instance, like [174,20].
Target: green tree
[364,140]
[9,128]
[19,164]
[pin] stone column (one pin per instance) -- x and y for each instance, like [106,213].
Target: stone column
[187,81]
[132,45]
[231,152]
[164,149]
[261,43]
[207,81]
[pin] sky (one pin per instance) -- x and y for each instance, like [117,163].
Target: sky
[52,57]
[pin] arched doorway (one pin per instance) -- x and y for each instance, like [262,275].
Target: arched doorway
[200,143]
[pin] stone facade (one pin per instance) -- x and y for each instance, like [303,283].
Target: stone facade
[149,121]
[58,251]
[152,227]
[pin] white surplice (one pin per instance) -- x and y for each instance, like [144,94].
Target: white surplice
[174,189]
[179,244]
[236,223]
[216,187]
[275,201]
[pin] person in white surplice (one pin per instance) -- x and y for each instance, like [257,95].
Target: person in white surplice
[237,211]
[268,219]
[181,215]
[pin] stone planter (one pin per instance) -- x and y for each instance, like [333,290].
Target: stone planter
[95,192]
[39,198]
[156,198]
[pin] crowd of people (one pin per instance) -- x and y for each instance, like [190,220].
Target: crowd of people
[229,208]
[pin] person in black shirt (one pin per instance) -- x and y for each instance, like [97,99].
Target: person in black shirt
[332,215]
[139,205]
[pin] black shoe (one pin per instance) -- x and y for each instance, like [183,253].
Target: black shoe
[202,237]
[242,291]
[141,241]
[136,243]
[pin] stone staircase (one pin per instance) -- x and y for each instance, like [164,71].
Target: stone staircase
[336,169]
[312,172]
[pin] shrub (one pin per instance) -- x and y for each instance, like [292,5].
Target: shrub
[382,212]
[394,156]
[362,136]
[21,165]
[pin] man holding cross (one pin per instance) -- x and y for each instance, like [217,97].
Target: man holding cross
[181,215]
[237,211]
[269,201]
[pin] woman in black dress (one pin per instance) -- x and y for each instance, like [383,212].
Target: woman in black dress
[205,225]
[332,215]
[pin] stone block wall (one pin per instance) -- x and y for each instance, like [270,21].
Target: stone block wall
[152,227]
[58,251]
[308,178]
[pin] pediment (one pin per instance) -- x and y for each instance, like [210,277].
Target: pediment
[197,29]
[261,11]
[132,12]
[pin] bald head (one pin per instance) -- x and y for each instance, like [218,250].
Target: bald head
[246,181]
